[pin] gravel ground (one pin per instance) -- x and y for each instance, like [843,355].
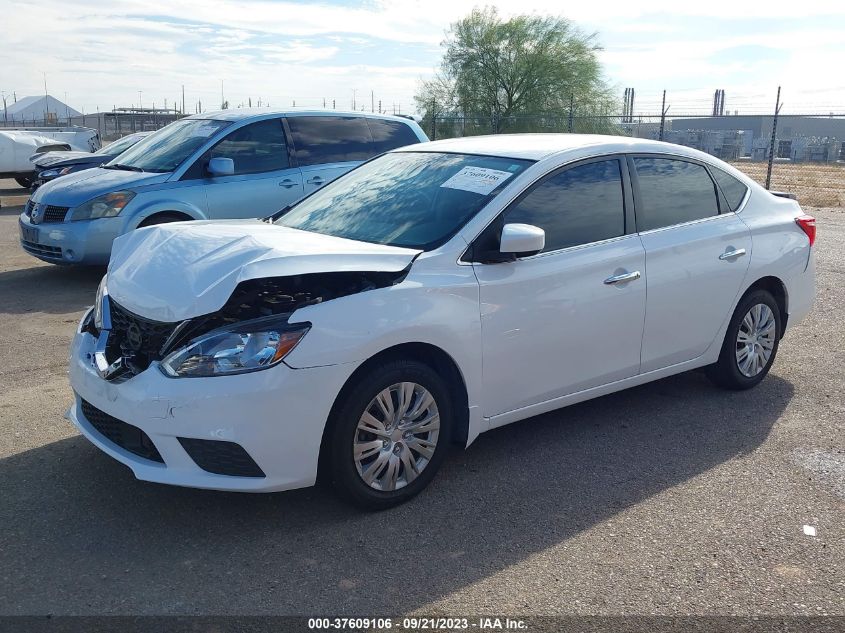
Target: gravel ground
[671,498]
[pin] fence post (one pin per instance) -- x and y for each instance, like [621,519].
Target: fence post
[662,117]
[772,144]
[434,119]
[571,110]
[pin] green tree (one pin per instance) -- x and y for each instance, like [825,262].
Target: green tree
[520,74]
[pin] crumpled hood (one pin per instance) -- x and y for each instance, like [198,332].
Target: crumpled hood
[51,158]
[177,271]
[78,187]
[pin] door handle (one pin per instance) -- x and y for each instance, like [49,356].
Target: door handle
[732,254]
[622,278]
[316,180]
[287,183]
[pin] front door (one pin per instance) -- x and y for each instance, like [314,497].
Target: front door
[263,181]
[571,317]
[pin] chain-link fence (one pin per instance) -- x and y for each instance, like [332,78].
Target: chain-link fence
[801,154]
[110,125]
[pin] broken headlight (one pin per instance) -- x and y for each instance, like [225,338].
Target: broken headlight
[236,349]
[98,303]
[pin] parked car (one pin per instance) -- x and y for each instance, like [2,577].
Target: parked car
[243,163]
[51,165]
[431,294]
[17,146]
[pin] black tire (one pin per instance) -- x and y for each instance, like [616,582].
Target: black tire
[162,218]
[24,181]
[347,481]
[726,372]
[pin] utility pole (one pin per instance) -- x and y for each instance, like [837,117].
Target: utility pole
[46,100]
[140,105]
[778,106]
[183,98]
[372,102]
[571,110]
[354,95]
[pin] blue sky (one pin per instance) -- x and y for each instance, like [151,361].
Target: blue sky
[102,54]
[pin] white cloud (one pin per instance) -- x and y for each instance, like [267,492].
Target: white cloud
[102,54]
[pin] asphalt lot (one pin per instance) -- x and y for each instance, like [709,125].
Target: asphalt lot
[674,497]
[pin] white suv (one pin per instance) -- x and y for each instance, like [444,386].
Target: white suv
[429,295]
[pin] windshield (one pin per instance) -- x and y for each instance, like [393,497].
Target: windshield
[166,149]
[411,199]
[120,145]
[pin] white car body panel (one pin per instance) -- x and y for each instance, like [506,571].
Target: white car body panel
[212,258]
[526,337]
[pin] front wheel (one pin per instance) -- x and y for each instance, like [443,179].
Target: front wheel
[751,343]
[390,434]
[24,181]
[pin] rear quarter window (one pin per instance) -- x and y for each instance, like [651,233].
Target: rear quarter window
[388,135]
[733,189]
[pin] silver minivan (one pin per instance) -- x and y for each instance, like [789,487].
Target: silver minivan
[244,163]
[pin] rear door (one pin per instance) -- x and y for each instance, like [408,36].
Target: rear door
[697,253]
[263,182]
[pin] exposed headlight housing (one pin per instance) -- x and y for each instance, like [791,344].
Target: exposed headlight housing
[98,304]
[237,349]
[50,173]
[106,206]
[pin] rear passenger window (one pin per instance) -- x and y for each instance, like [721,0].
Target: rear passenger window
[328,139]
[388,135]
[673,192]
[579,205]
[733,189]
[255,148]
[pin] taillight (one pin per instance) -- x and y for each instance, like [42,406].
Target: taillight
[808,225]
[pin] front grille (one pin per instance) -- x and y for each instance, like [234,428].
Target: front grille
[221,458]
[126,436]
[136,339]
[54,214]
[42,250]
[30,205]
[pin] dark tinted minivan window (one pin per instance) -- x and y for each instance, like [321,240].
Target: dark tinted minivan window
[328,139]
[388,135]
[733,189]
[255,148]
[672,192]
[579,205]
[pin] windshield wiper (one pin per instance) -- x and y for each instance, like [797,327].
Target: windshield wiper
[125,167]
[272,218]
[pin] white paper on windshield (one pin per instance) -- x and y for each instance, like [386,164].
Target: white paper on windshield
[477,180]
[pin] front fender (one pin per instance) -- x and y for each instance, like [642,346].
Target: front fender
[171,205]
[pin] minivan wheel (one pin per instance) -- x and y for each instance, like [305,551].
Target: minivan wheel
[751,343]
[24,181]
[390,434]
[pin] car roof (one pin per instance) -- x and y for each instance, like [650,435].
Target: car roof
[539,146]
[239,114]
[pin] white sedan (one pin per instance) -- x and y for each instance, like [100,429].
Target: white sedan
[429,295]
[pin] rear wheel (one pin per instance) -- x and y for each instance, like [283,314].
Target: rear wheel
[751,343]
[390,434]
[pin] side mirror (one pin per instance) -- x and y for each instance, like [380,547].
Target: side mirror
[522,239]
[220,166]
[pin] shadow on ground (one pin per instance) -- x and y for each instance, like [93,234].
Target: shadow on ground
[79,535]
[48,288]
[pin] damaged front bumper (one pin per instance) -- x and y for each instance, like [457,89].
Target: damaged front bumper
[151,422]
